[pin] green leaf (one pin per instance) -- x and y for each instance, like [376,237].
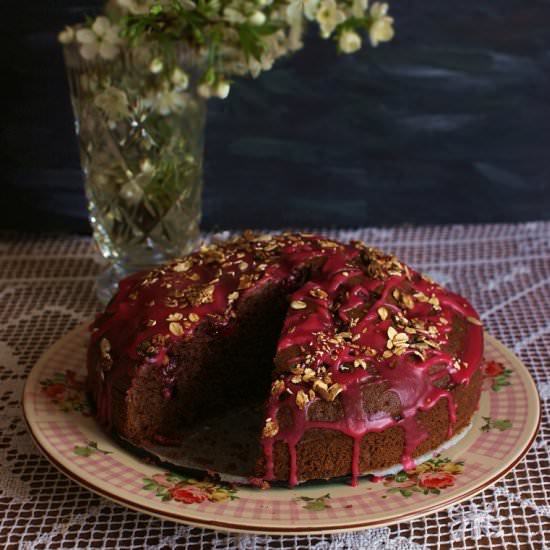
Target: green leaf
[502,425]
[316,506]
[401,476]
[406,492]
[267,29]
[175,477]
[83,451]
[499,424]
[156,9]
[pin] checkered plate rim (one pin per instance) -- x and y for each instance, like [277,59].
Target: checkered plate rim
[488,457]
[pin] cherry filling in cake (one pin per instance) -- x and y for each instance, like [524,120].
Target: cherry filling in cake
[359,362]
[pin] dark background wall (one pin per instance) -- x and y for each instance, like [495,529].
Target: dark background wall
[448,123]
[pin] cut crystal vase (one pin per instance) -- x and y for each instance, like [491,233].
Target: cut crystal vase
[140,126]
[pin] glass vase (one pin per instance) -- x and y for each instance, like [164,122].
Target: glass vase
[140,126]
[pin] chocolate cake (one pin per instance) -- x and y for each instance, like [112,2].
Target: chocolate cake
[359,361]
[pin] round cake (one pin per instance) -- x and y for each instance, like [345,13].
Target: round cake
[360,362]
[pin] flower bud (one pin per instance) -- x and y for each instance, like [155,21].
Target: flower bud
[66,36]
[156,65]
[257,18]
[349,42]
[222,89]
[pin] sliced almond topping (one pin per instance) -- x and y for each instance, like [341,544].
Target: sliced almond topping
[382,313]
[360,363]
[391,333]
[407,300]
[233,296]
[322,389]
[298,304]
[277,387]
[193,317]
[174,317]
[318,293]
[387,354]
[263,238]
[151,323]
[176,329]
[302,399]
[182,266]
[334,390]
[243,266]
[421,297]
[309,374]
[271,429]
[400,337]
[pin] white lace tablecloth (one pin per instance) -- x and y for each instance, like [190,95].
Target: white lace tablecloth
[47,287]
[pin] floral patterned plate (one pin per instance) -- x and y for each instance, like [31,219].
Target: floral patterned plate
[58,418]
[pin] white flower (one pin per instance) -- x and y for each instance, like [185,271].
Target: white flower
[156,65]
[219,89]
[146,166]
[296,8]
[169,100]
[349,42]
[188,5]
[231,15]
[310,8]
[205,90]
[359,7]
[381,29]
[222,89]
[257,18]
[329,17]
[113,102]
[180,79]
[101,39]
[66,36]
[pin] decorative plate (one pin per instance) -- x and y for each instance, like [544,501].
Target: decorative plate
[58,418]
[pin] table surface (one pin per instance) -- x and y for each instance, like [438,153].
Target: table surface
[47,287]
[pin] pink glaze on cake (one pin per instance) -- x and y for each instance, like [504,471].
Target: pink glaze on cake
[362,317]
